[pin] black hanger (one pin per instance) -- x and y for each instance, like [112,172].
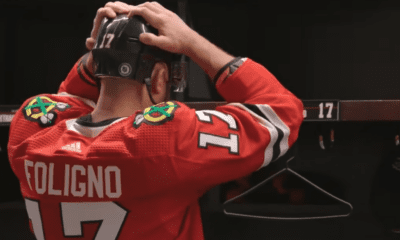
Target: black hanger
[284,207]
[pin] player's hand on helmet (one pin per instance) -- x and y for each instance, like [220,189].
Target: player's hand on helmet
[110,10]
[173,33]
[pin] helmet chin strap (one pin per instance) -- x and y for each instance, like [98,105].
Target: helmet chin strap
[148,86]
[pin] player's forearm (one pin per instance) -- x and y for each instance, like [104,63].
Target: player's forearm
[208,56]
[80,82]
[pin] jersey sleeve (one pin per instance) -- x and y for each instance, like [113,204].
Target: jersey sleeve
[80,82]
[76,96]
[258,125]
[42,112]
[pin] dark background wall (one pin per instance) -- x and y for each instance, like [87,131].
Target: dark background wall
[348,50]
[329,49]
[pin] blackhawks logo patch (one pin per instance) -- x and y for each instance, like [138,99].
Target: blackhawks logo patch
[42,110]
[157,114]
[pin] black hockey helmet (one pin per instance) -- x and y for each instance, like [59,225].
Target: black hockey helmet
[119,53]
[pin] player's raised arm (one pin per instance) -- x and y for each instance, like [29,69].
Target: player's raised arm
[259,125]
[175,36]
[80,81]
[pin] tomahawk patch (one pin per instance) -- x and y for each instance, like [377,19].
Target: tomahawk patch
[157,114]
[43,110]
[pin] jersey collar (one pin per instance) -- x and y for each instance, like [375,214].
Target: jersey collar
[88,122]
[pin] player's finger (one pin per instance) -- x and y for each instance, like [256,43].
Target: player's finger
[101,14]
[158,41]
[125,5]
[148,38]
[151,17]
[146,5]
[151,6]
[117,7]
[106,12]
[90,43]
[157,5]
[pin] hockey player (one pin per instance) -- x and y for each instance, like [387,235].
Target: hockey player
[126,162]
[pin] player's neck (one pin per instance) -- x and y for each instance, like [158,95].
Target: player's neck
[120,100]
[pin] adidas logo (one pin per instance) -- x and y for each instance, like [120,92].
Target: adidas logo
[75,147]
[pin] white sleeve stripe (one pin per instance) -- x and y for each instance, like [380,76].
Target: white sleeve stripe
[277,121]
[276,147]
[278,130]
[85,100]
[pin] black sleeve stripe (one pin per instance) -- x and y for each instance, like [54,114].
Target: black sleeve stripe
[256,110]
[83,64]
[83,77]
[278,130]
[276,147]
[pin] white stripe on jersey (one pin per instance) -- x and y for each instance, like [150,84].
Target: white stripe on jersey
[277,121]
[272,125]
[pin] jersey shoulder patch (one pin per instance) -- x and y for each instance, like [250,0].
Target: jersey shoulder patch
[157,115]
[43,110]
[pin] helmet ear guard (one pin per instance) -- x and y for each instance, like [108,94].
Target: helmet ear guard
[119,53]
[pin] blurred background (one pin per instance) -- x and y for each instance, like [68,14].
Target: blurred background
[326,49]
[347,50]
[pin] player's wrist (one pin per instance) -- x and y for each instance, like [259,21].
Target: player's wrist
[208,56]
[227,70]
[193,45]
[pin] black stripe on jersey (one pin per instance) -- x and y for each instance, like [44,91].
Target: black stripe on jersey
[84,66]
[88,81]
[276,148]
[87,121]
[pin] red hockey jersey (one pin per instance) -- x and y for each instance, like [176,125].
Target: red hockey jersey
[140,177]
